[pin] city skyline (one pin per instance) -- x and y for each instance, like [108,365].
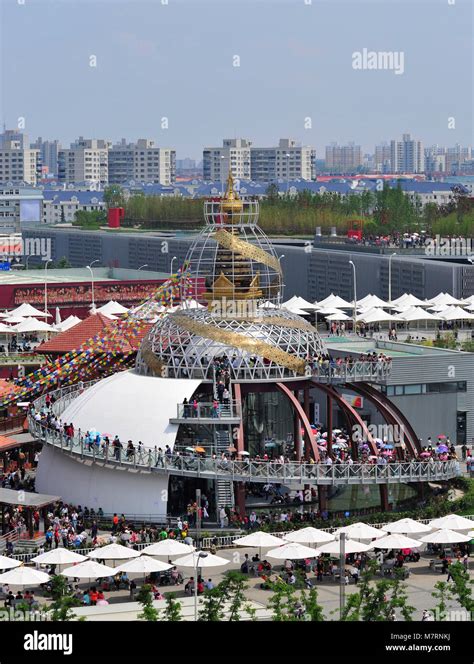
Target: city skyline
[258,70]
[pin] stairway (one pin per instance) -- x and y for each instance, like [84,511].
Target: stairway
[224,488]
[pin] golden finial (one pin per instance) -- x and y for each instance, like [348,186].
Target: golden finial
[231,202]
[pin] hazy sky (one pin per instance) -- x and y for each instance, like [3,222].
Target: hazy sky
[175,60]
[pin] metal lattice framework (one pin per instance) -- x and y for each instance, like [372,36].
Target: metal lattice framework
[273,344]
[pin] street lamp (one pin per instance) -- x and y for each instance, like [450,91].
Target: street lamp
[200,555]
[390,279]
[46,285]
[342,573]
[175,258]
[355,294]
[142,266]
[89,267]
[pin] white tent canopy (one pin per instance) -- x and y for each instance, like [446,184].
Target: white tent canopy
[27,310]
[24,576]
[194,559]
[408,300]
[452,522]
[360,531]
[258,539]
[328,311]
[143,565]
[371,301]
[298,303]
[338,316]
[167,547]
[14,320]
[113,552]
[89,569]
[334,301]
[406,527]
[292,551]
[33,325]
[376,316]
[297,311]
[456,313]
[112,307]
[67,323]
[396,541]
[59,556]
[445,536]
[192,304]
[445,298]
[9,563]
[309,535]
[350,546]
[414,314]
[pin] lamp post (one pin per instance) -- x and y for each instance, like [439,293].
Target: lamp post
[200,555]
[46,285]
[175,258]
[142,266]
[355,293]
[342,575]
[390,279]
[89,267]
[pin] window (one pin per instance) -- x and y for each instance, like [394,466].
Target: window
[412,389]
[462,386]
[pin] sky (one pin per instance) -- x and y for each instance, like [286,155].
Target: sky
[189,73]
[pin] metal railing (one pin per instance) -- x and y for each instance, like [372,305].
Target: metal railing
[205,410]
[351,373]
[247,470]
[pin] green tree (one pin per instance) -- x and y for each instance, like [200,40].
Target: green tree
[461,589]
[90,218]
[61,608]
[213,605]
[63,263]
[114,196]
[172,611]
[313,609]
[145,598]
[442,593]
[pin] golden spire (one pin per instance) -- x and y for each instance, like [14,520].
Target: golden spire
[231,202]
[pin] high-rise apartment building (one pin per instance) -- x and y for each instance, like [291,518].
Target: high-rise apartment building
[290,160]
[233,156]
[142,161]
[18,162]
[407,155]
[343,158]
[48,152]
[383,153]
[85,161]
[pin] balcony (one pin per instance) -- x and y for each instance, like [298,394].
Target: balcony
[207,413]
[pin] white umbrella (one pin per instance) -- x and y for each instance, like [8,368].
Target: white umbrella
[259,540]
[89,569]
[453,522]
[456,313]
[350,546]
[371,301]
[445,536]
[14,320]
[112,307]
[59,556]
[292,551]
[26,310]
[339,316]
[194,559]
[143,565]
[33,325]
[296,302]
[360,531]
[445,298]
[167,547]
[9,563]
[114,552]
[24,576]
[309,535]
[334,301]
[408,300]
[416,313]
[67,323]
[396,541]
[406,527]
[376,315]
[57,319]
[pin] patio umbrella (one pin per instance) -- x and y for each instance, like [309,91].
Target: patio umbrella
[167,547]
[89,569]
[396,541]
[24,576]
[59,556]
[445,536]
[9,563]
[350,546]
[453,522]
[193,559]
[143,565]
[406,527]
[113,552]
[199,449]
[26,309]
[292,551]
[259,540]
[309,535]
[360,531]
[442,448]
